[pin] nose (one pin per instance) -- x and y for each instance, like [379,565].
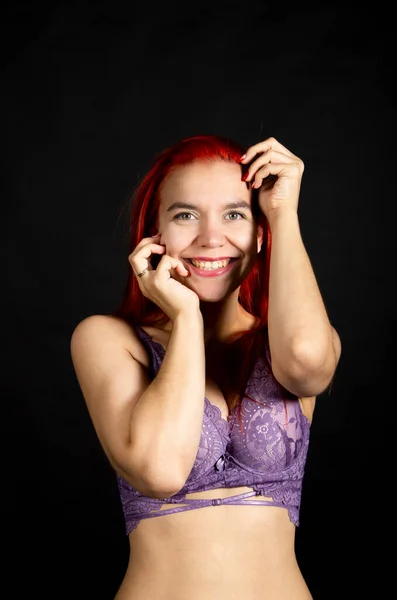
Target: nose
[210,235]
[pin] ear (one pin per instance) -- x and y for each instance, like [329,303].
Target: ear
[259,237]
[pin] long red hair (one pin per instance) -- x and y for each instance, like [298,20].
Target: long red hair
[254,290]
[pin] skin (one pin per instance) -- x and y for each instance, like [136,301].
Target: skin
[194,555]
[209,229]
[202,544]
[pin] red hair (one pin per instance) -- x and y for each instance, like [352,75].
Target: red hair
[254,290]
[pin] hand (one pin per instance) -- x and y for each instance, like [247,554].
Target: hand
[159,285]
[278,173]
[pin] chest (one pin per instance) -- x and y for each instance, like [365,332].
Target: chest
[223,365]
[217,396]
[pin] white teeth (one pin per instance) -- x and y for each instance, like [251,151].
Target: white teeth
[211,265]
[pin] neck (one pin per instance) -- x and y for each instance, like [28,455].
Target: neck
[222,320]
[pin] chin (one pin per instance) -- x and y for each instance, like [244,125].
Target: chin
[212,296]
[211,291]
[211,299]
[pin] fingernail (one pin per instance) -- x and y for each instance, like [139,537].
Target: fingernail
[244,177]
[242,157]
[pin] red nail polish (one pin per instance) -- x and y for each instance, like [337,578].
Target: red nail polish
[244,177]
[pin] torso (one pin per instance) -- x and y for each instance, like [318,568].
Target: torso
[222,552]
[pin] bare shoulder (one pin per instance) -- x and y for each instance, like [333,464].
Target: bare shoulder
[110,365]
[99,329]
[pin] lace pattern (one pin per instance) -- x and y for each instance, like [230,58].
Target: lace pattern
[269,455]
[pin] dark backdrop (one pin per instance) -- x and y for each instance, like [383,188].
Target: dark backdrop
[91,91]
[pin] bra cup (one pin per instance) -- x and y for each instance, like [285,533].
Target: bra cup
[272,437]
[272,422]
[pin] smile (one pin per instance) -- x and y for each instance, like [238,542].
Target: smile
[210,264]
[211,268]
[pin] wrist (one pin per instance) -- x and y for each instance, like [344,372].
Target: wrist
[189,319]
[285,217]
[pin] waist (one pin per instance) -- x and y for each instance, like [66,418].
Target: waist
[222,582]
[213,552]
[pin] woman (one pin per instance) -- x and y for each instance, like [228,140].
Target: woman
[202,386]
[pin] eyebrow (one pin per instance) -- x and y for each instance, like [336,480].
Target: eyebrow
[228,205]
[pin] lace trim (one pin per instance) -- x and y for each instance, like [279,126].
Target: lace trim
[215,414]
[191,504]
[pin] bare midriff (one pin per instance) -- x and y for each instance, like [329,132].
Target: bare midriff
[222,552]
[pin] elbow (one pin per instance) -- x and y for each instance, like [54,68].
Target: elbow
[309,373]
[152,488]
[150,475]
[160,485]
[150,481]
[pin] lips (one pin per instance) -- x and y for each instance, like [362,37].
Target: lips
[206,258]
[205,267]
[210,260]
[210,264]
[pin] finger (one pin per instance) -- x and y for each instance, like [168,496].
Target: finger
[149,249]
[139,258]
[145,241]
[268,144]
[275,169]
[267,157]
[168,263]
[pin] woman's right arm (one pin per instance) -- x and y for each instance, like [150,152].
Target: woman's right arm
[149,430]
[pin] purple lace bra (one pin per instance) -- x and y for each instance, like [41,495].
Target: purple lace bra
[269,456]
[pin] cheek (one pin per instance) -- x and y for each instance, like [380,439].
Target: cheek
[174,241]
[249,242]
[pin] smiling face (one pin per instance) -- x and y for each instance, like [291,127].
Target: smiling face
[206,220]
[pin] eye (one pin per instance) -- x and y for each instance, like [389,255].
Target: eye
[184,216]
[235,216]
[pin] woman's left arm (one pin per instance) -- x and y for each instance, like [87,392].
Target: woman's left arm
[305,348]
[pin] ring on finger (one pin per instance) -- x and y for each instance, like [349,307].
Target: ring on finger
[142,273]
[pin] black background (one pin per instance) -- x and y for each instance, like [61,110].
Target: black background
[91,92]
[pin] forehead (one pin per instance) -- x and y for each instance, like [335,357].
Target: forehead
[204,181]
